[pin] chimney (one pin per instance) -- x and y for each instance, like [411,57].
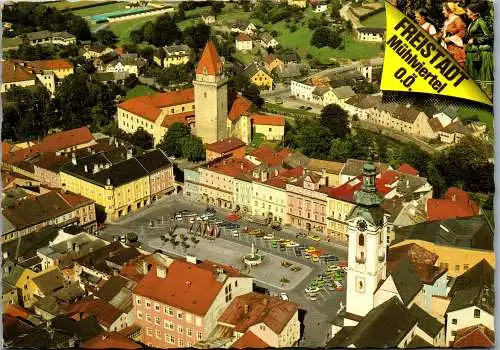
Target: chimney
[129,153]
[263,176]
[188,284]
[96,169]
[454,197]
[73,158]
[161,271]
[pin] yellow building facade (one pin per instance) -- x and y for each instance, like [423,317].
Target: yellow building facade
[337,212]
[262,79]
[457,259]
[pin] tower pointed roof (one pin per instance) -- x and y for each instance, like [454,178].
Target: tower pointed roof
[210,60]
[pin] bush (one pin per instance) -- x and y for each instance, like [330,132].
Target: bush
[324,36]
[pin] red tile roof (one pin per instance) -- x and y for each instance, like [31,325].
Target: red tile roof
[249,341]
[189,287]
[240,106]
[110,340]
[210,60]
[66,139]
[243,37]
[226,145]
[408,169]
[253,308]
[269,157]
[104,312]
[456,204]
[276,120]
[270,58]
[183,118]
[282,178]
[12,73]
[233,167]
[17,311]
[150,106]
[75,200]
[120,51]
[346,191]
[38,66]
[478,336]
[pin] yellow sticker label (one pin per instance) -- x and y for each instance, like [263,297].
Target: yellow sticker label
[414,61]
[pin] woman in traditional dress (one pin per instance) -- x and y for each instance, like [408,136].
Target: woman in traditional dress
[479,49]
[453,31]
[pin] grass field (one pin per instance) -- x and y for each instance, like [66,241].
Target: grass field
[122,29]
[486,117]
[11,42]
[244,57]
[140,90]
[92,11]
[375,21]
[63,5]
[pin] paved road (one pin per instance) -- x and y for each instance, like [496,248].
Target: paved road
[317,313]
[347,15]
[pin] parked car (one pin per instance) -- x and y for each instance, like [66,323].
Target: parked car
[314,258]
[315,238]
[268,236]
[312,290]
[210,210]
[313,297]
[233,217]
[291,244]
[338,286]
[283,296]
[295,268]
[236,233]
[310,250]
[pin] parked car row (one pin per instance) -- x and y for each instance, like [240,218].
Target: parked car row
[331,279]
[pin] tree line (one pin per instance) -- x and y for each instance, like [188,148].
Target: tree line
[465,165]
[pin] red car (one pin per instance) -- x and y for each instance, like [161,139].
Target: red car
[342,263]
[233,217]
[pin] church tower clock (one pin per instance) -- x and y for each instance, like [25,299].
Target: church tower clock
[367,230]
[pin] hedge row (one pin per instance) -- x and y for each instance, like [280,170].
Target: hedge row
[100,3]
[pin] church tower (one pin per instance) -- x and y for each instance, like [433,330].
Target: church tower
[210,96]
[367,229]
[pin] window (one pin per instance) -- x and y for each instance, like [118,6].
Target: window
[199,335]
[477,313]
[189,318]
[171,339]
[148,303]
[157,307]
[179,315]
[181,343]
[158,334]
[236,283]
[168,310]
[148,317]
[139,315]
[149,331]
[180,330]
[361,240]
[466,267]
[138,300]
[157,321]
[270,129]
[457,267]
[454,321]
[189,332]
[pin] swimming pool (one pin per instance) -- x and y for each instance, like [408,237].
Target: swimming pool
[104,16]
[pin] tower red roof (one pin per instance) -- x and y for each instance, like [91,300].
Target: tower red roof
[210,60]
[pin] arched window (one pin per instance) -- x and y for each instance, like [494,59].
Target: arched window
[205,71]
[361,240]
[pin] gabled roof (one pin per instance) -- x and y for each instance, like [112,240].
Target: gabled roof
[457,127]
[408,169]
[479,275]
[249,341]
[188,287]
[13,72]
[225,146]
[344,92]
[177,50]
[154,160]
[271,58]
[110,340]
[383,327]
[274,120]
[474,232]
[365,101]
[39,66]
[240,106]
[253,308]
[417,342]
[406,280]
[105,313]
[43,34]
[430,325]
[210,60]
[354,167]
[328,166]
[253,69]
[49,281]
[477,336]
[243,37]
[371,30]
[482,297]
[266,37]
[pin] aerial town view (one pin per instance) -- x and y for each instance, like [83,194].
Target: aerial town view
[229,174]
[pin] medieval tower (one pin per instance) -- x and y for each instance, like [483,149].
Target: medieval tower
[210,95]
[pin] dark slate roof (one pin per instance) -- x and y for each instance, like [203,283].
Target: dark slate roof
[154,160]
[177,50]
[49,281]
[371,30]
[481,274]
[426,322]
[473,232]
[11,271]
[418,342]
[253,69]
[407,280]
[481,297]
[44,34]
[111,288]
[340,337]
[118,174]
[383,327]
[31,243]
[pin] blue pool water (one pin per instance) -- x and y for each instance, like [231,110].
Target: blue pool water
[105,16]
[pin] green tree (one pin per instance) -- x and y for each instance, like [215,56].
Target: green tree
[313,139]
[142,139]
[192,148]
[342,149]
[171,142]
[166,31]
[413,155]
[106,37]
[197,36]
[324,36]
[336,6]
[131,81]
[217,7]
[136,36]
[335,119]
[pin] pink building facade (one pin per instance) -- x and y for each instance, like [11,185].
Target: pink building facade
[307,203]
[161,182]
[179,305]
